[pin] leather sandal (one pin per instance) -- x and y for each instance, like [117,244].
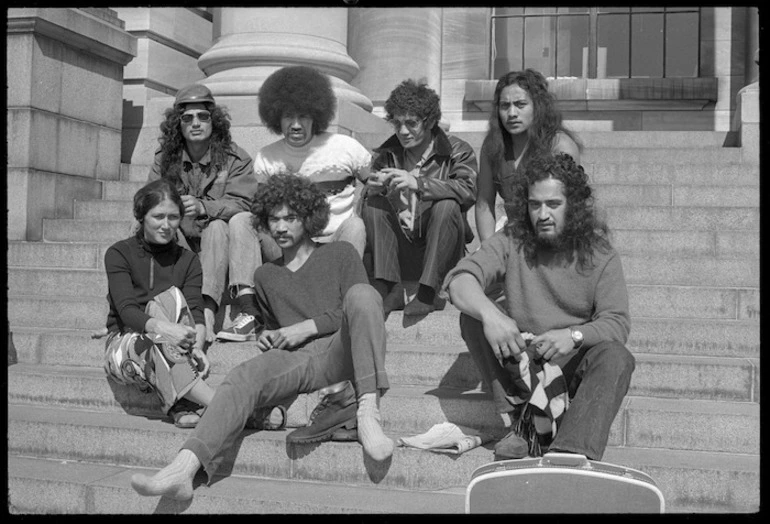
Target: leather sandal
[261,419]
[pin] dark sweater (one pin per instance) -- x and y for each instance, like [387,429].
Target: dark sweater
[315,291]
[128,264]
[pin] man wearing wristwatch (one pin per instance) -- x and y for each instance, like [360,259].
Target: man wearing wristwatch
[565,291]
[415,202]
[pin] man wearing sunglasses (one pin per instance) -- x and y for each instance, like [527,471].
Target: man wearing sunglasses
[421,185]
[216,180]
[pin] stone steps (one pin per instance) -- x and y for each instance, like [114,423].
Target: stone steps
[655,270]
[651,301]
[711,174]
[700,218]
[718,173]
[448,365]
[652,335]
[663,195]
[712,480]
[717,420]
[50,486]
[720,245]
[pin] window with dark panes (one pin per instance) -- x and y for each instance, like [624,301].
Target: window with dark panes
[597,42]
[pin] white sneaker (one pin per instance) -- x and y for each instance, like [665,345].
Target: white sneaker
[243,329]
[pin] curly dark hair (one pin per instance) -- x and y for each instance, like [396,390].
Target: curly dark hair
[297,90]
[297,193]
[172,141]
[415,98]
[547,120]
[583,230]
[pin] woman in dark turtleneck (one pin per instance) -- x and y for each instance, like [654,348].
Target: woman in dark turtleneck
[139,269]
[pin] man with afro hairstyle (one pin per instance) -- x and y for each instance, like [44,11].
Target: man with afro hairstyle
[298,103]
[564,285]
[324,324]
[415,204]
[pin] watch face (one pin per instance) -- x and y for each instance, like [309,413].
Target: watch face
[577,336]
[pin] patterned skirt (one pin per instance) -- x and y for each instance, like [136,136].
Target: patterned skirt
[148,362]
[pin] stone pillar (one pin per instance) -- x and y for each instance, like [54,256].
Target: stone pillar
[65,82]
[465,56]
[752,44]
[169,42]
[393,44]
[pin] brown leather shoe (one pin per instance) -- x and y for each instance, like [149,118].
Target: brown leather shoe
[334,412]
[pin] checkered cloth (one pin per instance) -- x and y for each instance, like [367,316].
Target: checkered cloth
[540,389]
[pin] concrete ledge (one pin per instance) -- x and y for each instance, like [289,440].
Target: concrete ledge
[688,92]
[76,28]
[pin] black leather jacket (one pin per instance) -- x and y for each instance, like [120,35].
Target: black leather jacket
[449,172]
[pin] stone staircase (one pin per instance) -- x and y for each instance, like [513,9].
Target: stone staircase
[685,216]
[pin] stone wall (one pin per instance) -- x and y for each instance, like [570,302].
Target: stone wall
[65,82]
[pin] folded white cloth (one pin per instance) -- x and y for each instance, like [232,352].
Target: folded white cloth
[446,438]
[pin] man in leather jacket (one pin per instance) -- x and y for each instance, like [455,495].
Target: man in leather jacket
[421,184]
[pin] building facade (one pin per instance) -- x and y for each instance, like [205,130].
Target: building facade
[87,87]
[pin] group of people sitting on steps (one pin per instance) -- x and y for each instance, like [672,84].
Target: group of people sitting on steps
[314,236]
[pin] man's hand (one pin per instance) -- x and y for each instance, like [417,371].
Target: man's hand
[287,337]
[399,179]
[202,361]
[504,336]
[198,353]
[554,342]
[192,206]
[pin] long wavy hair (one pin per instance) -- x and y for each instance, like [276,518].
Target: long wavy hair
[172,142]
[583,230]
[297,193]
[547,119]
[299,90]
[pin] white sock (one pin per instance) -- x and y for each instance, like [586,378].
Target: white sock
[376,444]
[174,481]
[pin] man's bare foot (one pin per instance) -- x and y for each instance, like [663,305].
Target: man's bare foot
[173,481]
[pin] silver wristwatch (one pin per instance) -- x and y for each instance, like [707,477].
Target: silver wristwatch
[577,337]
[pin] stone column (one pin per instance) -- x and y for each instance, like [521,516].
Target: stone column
[393,44]
[169,42]
[65,86]
[465,56]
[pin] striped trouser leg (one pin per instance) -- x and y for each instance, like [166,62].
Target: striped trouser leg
[382,231]
[442,234]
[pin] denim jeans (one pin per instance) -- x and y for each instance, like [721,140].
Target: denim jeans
[248,249]
[213,254]
[351,230]
[356,352]
[597,379]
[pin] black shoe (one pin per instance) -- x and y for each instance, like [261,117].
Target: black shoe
[335,411]
[422,304]
[346,435]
